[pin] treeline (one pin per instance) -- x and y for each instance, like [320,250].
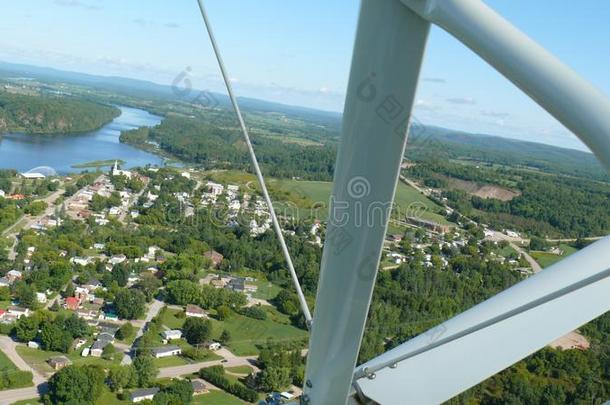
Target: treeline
[216,146]
[549,205]
[52,115]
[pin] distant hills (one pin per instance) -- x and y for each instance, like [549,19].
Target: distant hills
[449,143]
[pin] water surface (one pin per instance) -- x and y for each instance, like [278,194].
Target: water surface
[24,152]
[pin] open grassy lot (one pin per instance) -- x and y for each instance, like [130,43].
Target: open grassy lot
[38,358]
[33,401]
[311,198]
[5,363]
[216,398]
[247,333]
[171,361]
[240,369]
[546,259]
[170,319]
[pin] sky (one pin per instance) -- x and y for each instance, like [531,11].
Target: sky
[299,53]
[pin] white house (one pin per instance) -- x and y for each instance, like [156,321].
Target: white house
[213,346]
[2,193]
[215,188]
[144,394]
[172,334]
[41,297]
[166,351]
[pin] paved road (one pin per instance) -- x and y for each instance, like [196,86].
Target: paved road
[7,346]
[153,310]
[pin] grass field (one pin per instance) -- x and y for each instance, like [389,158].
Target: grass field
[38,358]
[171,361]
[6,364]
[216,398]
[548,259]
[310,199]
[247,333]
[33,401]
[240,369]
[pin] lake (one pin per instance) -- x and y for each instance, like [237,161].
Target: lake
[24,152]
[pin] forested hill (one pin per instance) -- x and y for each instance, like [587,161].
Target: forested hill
[435,143]
[51,115]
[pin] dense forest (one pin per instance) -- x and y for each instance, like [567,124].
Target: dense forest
[214,146]
[51,115]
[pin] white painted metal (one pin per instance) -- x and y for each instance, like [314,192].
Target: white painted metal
[472,346]
[385,69]
[573,101]
[257,170]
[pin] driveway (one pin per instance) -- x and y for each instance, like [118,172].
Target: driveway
[153,310]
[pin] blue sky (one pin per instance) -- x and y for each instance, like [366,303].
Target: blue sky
[299,53]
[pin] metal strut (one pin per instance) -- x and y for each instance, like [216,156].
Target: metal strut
[257,170]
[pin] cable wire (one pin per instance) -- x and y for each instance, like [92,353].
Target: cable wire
[257,170]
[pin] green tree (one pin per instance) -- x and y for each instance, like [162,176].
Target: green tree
[26,328]
[76,385]
[120,377]
[273,379]
[130,304]
[225,337]
[125,331]
[146,370]
[223,312]
[197,330]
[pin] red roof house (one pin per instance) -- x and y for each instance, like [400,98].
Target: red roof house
[72,303]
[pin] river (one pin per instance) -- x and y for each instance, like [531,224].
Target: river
[24,152]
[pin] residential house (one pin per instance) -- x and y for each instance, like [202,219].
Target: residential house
[5,282]
[172,334]
[213,346]
[117,259]
[18,312]
[166,351]
[41,297]
[59,362]
[144,394]
[97,348]
[194,311]
[72,303]
[14,275]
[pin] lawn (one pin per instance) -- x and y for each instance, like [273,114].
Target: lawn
[5,363]
[546,259]
[240,369]
[171,361]
[38,358]
[110,398]
[310,199]
[33,401]
[247,333]
[169,318]
[215,397]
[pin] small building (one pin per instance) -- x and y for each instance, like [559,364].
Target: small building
[14,275]
[166,351]
[41,297]
[199,387]
[172,334]
[144,394]
[18,312]
[85,352]
[59,362]
[194,311]
[33,345]
[72,303]
[214,256]
[5,282]
[97,348]
[213,346]
[32,176]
